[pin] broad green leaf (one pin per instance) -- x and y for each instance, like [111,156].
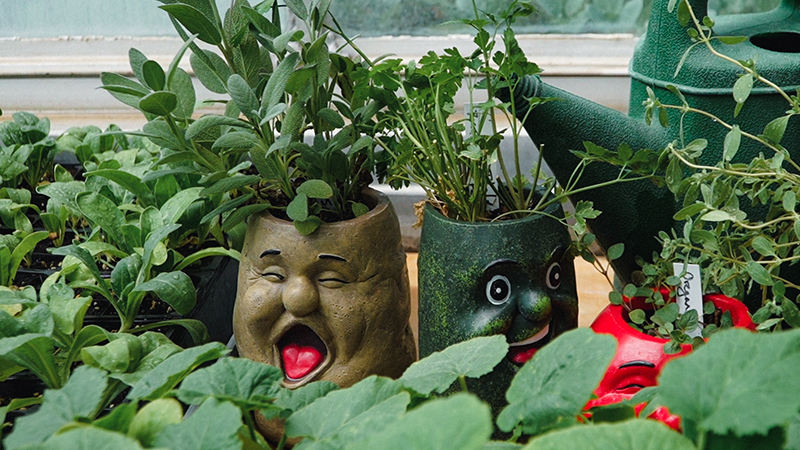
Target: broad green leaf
[742,88]
[716,215]
[181,85]
[104,212]
[155,349]
[174,288]
[359,209]
[214,77]
[90,438]
[153,418]
[195,22]
[552,388]
[35,353]
[296,399]
[243,95]
[748,384]
[732,40]
[331,117]
[473,358]
[628,435]
[789,201]
[732,142]
[129,181]
[776,129]
[154,76]
[308,226]
[214,425]
[298,208]
[64,193]
[276,85]
[764,246]
[495,445]
[160,103]
[230,183]
[689,211]
[299,8]
[459,422]
[172,370]
[266,163]
[370,403]
[68,310]
[88,335]
[615,251]
[247,384]
[759,274]
[241,214]
[315,189]
[790,313]
[174,208]
[244,140]
[79,398]
[119,355]
[197,329]
[206,252]
[206,123]
[119,419]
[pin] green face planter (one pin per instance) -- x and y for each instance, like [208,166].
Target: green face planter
[513,277]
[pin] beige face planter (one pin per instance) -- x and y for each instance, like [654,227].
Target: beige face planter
[330,306]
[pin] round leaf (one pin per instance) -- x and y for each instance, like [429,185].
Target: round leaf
[160,103]
[315,189]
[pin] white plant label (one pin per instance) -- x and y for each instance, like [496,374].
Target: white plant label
[689,294]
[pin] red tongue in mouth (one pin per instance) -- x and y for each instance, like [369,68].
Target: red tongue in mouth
[302,351]
[520,355]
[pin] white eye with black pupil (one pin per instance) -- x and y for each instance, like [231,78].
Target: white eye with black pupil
[553,277]
[498,290]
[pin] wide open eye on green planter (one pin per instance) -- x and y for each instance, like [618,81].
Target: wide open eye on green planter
[553,276]
[498,290]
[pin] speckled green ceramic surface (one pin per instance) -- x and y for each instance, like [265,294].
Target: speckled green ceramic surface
[513,277]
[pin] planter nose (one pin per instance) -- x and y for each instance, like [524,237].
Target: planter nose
[535,306]
[300,297]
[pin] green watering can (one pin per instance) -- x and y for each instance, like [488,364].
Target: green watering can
[633,213]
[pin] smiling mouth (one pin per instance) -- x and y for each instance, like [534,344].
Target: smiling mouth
[302,352]
[521,352]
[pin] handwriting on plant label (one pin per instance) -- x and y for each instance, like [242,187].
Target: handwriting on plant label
[689,294]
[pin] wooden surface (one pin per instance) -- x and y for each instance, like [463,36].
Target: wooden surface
[593,291]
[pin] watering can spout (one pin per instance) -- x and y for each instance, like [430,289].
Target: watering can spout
[632,212]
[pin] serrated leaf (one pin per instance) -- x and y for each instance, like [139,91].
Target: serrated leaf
[459,422]
[553,387]
[79,398]
[315,189]
[214,425]
[748,386]
[343,415]
[172,370]
[473,358]
[628,435]
[247,384]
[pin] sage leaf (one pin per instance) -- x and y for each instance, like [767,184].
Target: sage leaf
[473,358]
[315,189]
[629,435]
[214,77]
[154,76]
[460,421]
[359,209]
[180,83]
[160,103]
[308,226]
[553,387]
[194,21]
[208,122]
[276,85]
[243,95]
[297,209]
[749,385]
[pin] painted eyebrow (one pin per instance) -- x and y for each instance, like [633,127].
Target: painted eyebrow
[270,252]
[500,262]
[333,257]
[638,364]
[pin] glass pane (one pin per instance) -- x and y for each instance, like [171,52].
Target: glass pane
[54,18]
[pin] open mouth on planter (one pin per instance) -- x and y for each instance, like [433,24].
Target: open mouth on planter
[521,352]
[302,353]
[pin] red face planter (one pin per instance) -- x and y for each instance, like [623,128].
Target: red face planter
[640,357]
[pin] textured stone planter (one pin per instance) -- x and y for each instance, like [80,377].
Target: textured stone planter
[512,277]
[330,306]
